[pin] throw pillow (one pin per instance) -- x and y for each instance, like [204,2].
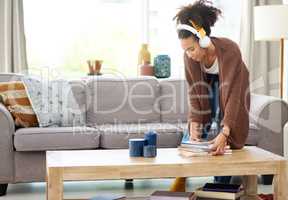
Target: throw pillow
[53,102]
[15,99]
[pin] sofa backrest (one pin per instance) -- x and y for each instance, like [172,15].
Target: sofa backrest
[173,100]
[7,77]
[146,99]
[122,100]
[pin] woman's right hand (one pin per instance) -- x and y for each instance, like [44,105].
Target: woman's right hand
[195,132]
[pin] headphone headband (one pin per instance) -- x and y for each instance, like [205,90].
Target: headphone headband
[188,28]
[204,40]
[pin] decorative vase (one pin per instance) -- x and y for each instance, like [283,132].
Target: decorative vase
[94,67]
[91,67]
[97,67]
[144,56]
[162,66]
[146,70]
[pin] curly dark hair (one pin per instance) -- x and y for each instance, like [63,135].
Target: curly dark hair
[202,13]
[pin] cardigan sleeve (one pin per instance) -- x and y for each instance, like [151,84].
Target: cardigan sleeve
[195,113]
[233,102]
[238,99]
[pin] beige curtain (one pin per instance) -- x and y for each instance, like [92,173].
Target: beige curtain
[262,58]
[12,38]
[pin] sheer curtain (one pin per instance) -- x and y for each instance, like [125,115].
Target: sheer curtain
[262,58]
[12,39]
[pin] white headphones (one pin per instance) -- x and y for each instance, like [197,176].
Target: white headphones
[204,40]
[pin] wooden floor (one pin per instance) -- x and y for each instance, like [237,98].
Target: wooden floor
[85,190]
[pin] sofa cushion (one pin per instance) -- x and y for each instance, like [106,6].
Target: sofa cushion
[254,135]
[111,100]
[173,100]
[15,99]
[53,102]
[41,139]
[117,136]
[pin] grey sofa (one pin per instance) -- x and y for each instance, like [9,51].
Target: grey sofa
[117,109]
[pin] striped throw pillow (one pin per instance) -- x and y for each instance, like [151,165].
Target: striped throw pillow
[15,99]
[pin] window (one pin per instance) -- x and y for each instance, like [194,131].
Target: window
[64,34]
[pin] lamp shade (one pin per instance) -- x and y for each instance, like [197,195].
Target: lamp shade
[271,22]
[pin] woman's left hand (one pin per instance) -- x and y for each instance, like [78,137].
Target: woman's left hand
[219,145]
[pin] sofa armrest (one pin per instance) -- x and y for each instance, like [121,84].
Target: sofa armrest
[269,114]
[6,146]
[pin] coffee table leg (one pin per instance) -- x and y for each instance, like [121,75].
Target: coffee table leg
[54,187]
[280,182]
[250,187]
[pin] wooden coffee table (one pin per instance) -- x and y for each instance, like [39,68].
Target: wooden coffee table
[87,165]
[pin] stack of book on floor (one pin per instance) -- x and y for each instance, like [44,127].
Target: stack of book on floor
[194,148]
[220,191]
[167,195]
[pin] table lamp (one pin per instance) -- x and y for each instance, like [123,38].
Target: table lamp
[270,24]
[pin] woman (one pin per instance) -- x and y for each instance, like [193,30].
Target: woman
[218,83]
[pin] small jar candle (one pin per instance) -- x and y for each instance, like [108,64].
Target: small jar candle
[136,147]
[150,151]
[151,137]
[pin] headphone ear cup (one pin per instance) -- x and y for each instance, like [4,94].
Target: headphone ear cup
[204,42]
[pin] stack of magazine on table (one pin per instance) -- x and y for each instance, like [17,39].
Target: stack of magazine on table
[195,148]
